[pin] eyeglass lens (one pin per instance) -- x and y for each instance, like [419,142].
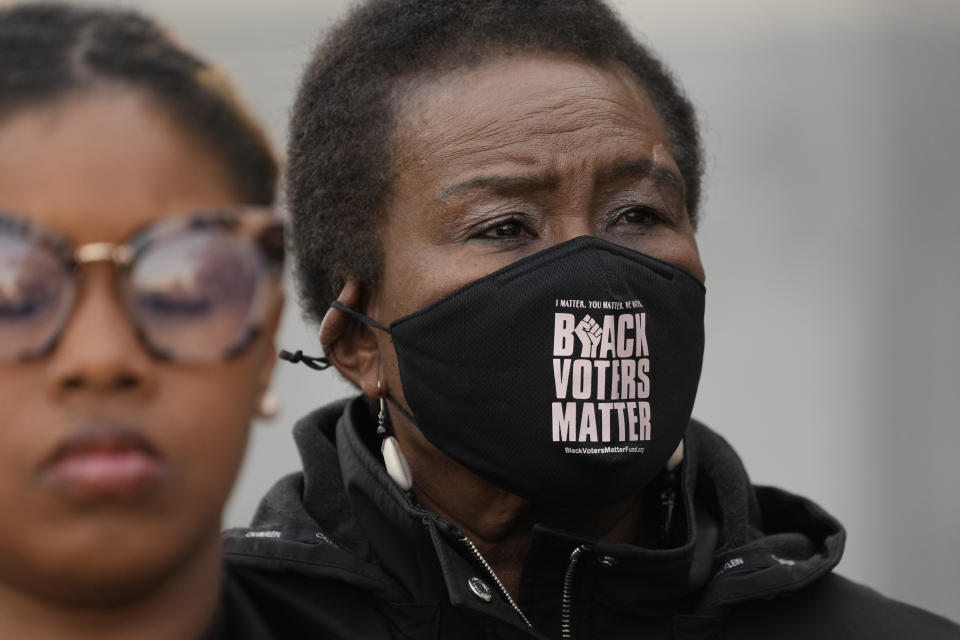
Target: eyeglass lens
[194,296]
[35,294]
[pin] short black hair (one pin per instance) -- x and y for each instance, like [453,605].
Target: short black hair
[340,166]
[49,51]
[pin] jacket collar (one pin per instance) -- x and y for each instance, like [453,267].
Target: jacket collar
[734,541]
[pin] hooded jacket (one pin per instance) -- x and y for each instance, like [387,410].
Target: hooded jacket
[339,551]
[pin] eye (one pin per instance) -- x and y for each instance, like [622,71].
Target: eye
[639,216]
[173,303]
[508,229]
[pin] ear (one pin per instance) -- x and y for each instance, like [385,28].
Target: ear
[350,344]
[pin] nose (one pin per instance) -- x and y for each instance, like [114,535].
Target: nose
[569,225]
[98,353]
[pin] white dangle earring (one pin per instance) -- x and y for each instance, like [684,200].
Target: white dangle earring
[676,458]
[393,460]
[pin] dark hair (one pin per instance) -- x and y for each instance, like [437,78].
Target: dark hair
[50,50]
[340,171]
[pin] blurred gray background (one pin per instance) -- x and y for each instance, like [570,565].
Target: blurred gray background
[829,238]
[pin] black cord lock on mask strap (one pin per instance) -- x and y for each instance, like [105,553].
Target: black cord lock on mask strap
[317,363]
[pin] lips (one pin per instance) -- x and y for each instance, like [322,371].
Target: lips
[104,461]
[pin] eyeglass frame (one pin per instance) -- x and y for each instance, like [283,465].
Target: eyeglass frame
[266,228]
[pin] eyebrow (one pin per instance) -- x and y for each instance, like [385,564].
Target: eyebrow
[513,185]
[642,168]
[501,185]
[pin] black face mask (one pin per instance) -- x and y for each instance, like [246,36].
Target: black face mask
[567,377]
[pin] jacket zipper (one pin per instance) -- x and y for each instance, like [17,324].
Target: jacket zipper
[566,599]
[493,576]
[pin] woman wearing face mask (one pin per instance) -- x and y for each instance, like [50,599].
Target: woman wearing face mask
[496,201]
[139,296]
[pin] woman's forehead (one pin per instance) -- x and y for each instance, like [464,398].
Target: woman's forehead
[102,165]
[526,115]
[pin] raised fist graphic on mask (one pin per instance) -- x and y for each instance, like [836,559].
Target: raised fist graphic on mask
[589,332]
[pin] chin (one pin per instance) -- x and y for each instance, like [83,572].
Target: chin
[102,587]
[111,564]
[98,582]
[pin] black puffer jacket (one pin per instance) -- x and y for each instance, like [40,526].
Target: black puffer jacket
[339,551]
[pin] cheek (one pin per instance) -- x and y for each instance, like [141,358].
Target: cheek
[206,417]
[420,267]
[676,247]
[202,423]
[417,276]
[410,272]
[28,429]
[686,255]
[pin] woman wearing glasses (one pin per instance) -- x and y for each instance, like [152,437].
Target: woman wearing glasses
[139,297]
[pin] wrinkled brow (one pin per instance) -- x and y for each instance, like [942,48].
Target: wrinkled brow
[640,169]
[501,185]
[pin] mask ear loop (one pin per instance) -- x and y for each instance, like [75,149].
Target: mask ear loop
[319,363]
[393,459]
